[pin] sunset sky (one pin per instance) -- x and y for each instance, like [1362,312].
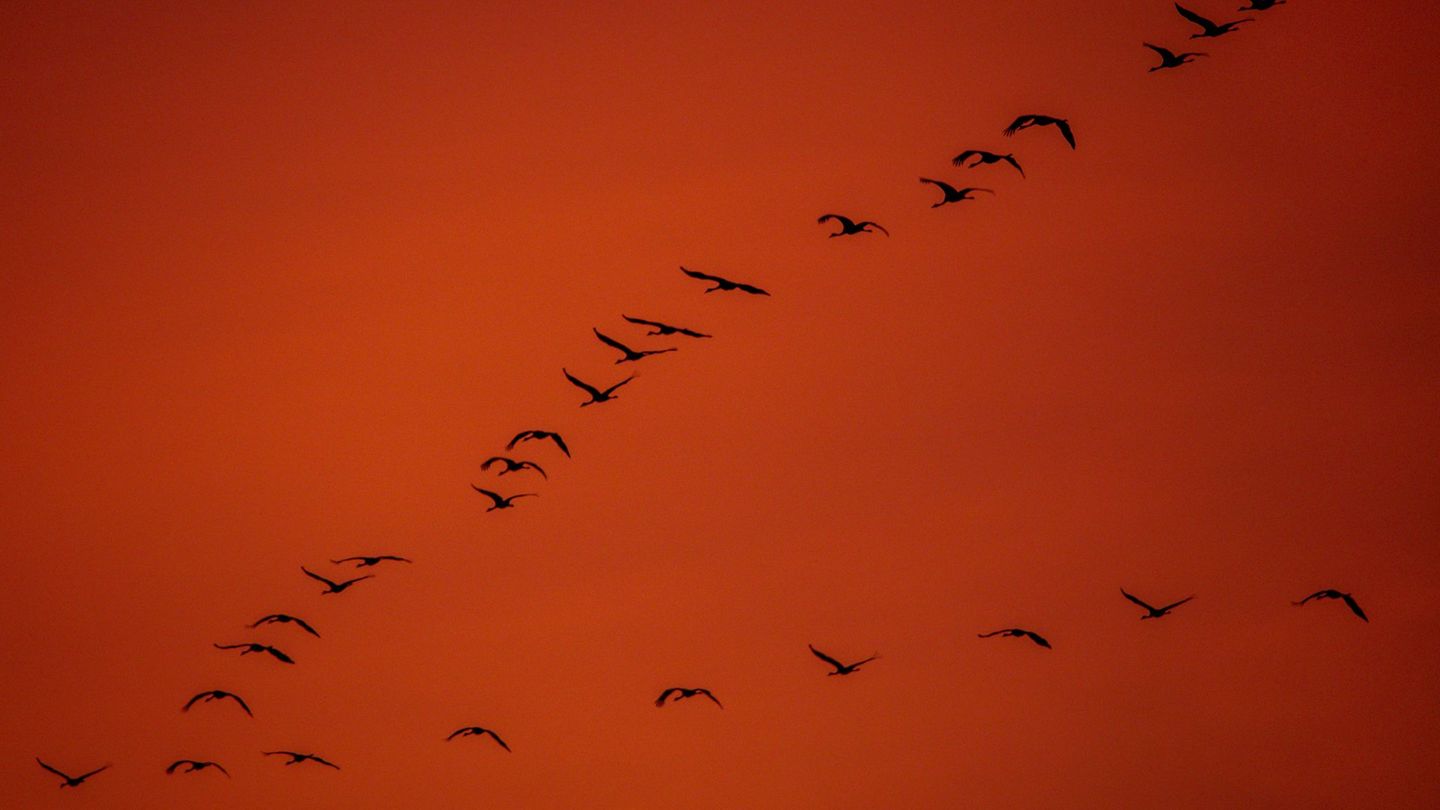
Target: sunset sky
[278,277]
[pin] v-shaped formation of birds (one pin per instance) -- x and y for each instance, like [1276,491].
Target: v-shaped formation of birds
[606,392]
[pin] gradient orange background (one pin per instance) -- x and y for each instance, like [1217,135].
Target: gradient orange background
[279,276]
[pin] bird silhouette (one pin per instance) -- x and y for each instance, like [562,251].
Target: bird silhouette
[1170,59]
[281,618]
[840,669]
[217,694]
[1209,28]
[1027,121]
[476,731]
[1261,5]
[629,355]
[511,465]
[985,158]
[332,585]
[539,435]
[297,757]
[1018,633]
[665,328]
[681,693]
[596,395]
[501,501]
[722,283]
[251,647]
[193,765]
[849,226]
[368,562]
[952,194]
[1154,612]
[70,781]
[1330,593]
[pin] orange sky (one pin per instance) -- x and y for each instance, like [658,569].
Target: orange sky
[279,277]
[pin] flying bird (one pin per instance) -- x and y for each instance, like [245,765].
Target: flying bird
[722,283]
[476,731]
[665,328]
[1154,612]
[217,694]
[952,194]
[367,562]
[70,781]
[1170,59]
[251,647]
[193,765]
[334,587]
[539,435]
[1209,28]
[985,158]
[1330,593]
[296,757]
[501,501]
[681,693]
[1261,5]
[1027,121]
[281,618]
[511,465]
[630,355]
[849,226]
[596,395]
[1018,633]
[840,669]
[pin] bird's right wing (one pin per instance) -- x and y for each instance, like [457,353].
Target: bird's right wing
[356,579]
[1165,53]
[697,274]
[58,773]
[82,777]
[577,382]
[316,576]
[660,701]
[988,635]
[1011,160]
[1174,605]
[1193,17]
[827,659]
[497,739]
[242,703]
[519,437]
[611,342]
[560,443]
[1017,124]
[304,625]
[177,763]
[1355,607]
[964,156]
[1137,600]
[457,732]
[642,321]
[191,701]
[487,493]
[1064,127]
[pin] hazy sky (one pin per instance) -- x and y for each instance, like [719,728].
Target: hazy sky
[279,276]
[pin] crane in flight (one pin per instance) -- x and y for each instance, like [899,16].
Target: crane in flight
[295,757]
[983,158]
[281,618]
[511,465]
[539,435]
[1152,611]
[840,669]
[596,394]
[1027,121]
[1170,59]
[477,731]
[368,562]
[722,283]
[1209,28]
[193,765]
[331,585]
[629,355]
[1331,593]
[665,328]
[501,501]
[70,781]
[849,226]
[217,694]
[1016,632]
[1261,5]
[252,647]
[682,693]
[952,194]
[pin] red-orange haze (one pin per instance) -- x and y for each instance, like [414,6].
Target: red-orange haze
[279,276]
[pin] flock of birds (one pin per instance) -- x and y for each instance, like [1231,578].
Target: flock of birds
[597,394]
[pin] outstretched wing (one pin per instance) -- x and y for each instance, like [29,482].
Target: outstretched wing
[191,701]
[494,496]
[697,274]
[82,777]
[323,761]
[966,155]
[1064,127]
[988,635]
[644,322]
[497,739]
[316,576]
[523,435]
[221,768]
[1165,53]
[347,583]
[1011,160]
[532,465]
[1137,600]
[1174,605]
[560,443]
[823,657]
[177,763]
[1355,607]
[590,389]
[1194,18]
[1038,639]
[749,288]
[58,773]
[863,661]
[304,625]
[706,693]
[1018,123]
[280,655]
[345,560]
[944,186]
[1315,595]
[846,223]
[660,701]
[877,226]
[458,732]
[241,701]
[611,342]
